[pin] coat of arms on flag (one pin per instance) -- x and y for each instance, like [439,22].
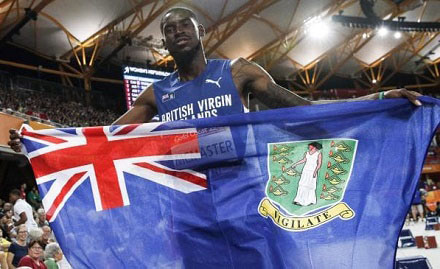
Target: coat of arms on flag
[307,182]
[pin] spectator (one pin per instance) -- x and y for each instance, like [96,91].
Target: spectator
[47,238]
[22,210]
[7,224]
[417,206]
[18,249]
[7,207]
[4,243]
[41,218]
[35,234]
[33,259]
[3,263]
[23,191]
[4,225]
[52,255]
[55,108]
[33,198]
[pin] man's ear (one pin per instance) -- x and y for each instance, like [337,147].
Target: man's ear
[202,31]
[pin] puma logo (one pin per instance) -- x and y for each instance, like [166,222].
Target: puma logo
[216,82]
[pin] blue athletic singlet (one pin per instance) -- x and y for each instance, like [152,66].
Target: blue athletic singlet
[211,94]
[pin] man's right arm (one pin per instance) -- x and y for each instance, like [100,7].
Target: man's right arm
[22,220]
[143,110]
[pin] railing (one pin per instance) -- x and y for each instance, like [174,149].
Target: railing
[31,118]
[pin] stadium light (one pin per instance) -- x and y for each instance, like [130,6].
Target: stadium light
[382,31]
[318,29]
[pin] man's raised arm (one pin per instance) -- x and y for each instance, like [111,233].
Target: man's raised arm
[250,77]
[143,110]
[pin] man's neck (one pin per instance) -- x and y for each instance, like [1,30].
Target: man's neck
[190,66]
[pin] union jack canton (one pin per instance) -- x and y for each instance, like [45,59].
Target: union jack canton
[104,154]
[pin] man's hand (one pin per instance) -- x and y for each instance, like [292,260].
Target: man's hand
[14,140]
[404,93]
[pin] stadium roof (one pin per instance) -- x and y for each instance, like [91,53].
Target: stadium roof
[295,40]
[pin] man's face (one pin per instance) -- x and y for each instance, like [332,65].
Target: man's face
[181,32]
[7,206]
[8,214]
[13,198]
[46,233]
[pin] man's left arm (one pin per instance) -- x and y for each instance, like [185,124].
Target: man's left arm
[250,77]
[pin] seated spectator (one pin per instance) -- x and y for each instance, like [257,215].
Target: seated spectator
[52,255]
[35,234]
[7,225]
[417,207]
[33,258]
[7,207]
[54,108]
[18,249]
[4,243]
[3,263]
[41,218]
[33,198]
[47,237]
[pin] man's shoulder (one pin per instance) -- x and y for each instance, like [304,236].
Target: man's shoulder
[165,80]
[19,204]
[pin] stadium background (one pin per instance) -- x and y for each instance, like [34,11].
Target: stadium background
[61,57]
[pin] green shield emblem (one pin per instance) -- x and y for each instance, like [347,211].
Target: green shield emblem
[305,176]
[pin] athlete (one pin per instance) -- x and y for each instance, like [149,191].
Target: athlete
[206,88]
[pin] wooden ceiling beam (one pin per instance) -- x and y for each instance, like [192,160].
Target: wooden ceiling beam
[31,14]
[357,42]
[57,72]
[291,39]
[3,19]
[109,27]
[131,34]
[235,23]
[407,59]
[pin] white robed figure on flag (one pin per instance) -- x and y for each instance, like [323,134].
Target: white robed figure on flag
[306,193]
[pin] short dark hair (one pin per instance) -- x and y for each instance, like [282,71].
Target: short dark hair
[33,242]
[316,145]
[188,11]
[15,192]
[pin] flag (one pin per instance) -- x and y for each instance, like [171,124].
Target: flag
[324,186]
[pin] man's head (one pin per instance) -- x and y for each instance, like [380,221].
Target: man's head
[47,232]
[14,195]
[41,214]
[7,206]
[181,31]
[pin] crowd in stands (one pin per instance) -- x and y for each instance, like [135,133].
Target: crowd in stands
[26,239]
[419,210]
[54,108]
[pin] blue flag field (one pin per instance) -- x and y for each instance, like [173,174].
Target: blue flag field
[324,186]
